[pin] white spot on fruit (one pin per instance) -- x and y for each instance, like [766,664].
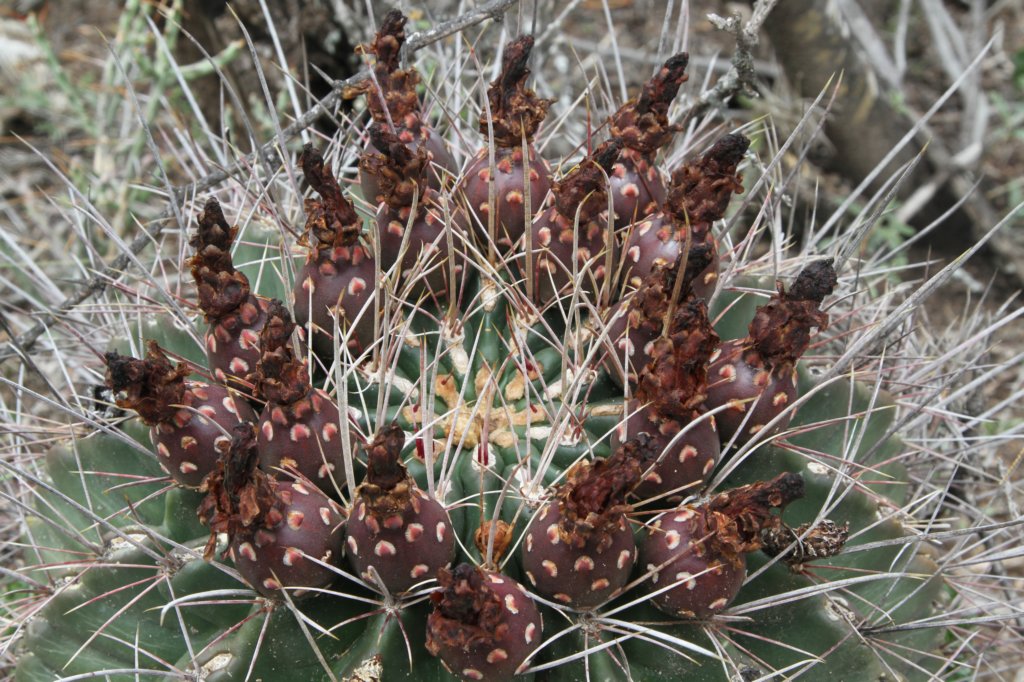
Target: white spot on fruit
[584,563]
[550,567]
[187,467]
[299,432]
[418,571]
[291,556]
[496,656]
[687,579]
[384,548]
[472,673]
[624,557]
[531,630]
[440,530]
[718,604]
[599,584]
[353,546]
[247,551]
[268,430]
[510,604]
[413,531]
[295,519]
[553,533]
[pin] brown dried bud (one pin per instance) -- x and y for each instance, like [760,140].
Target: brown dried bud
[239,497]
[780,332]
[332,219]
[739,516]
[400,172]
[825,539]
[466,609]
[700,191]
[384,467]
[594,495]
[280,377]
[642,123]
[503,533]
[221,288]
[153,387]
[396,98]
[674,382]
[584,190]
[516,112]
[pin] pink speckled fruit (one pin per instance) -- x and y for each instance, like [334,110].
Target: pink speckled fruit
[299,427]
[641,124]
[335,284]
[394,527]
[187,418]
[484,624]
[579,548]
[510,187]
[508,125]
[754,378]
[235,316]
[282,535]
[569,242]
[392,101]
[698,552]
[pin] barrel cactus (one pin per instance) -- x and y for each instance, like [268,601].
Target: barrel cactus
[443,474]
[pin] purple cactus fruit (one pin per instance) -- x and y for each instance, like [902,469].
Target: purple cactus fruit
[575,224]
[234,314]
[394,527]
[484,625]
[281,535]
[579,548]
[513,115]
[699,552]
[418,241]
[637,187]
[669,391]
[337,280]
[188,419]
[393,102]
[299,428]
[756,376]
[636,322]
[698,196]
